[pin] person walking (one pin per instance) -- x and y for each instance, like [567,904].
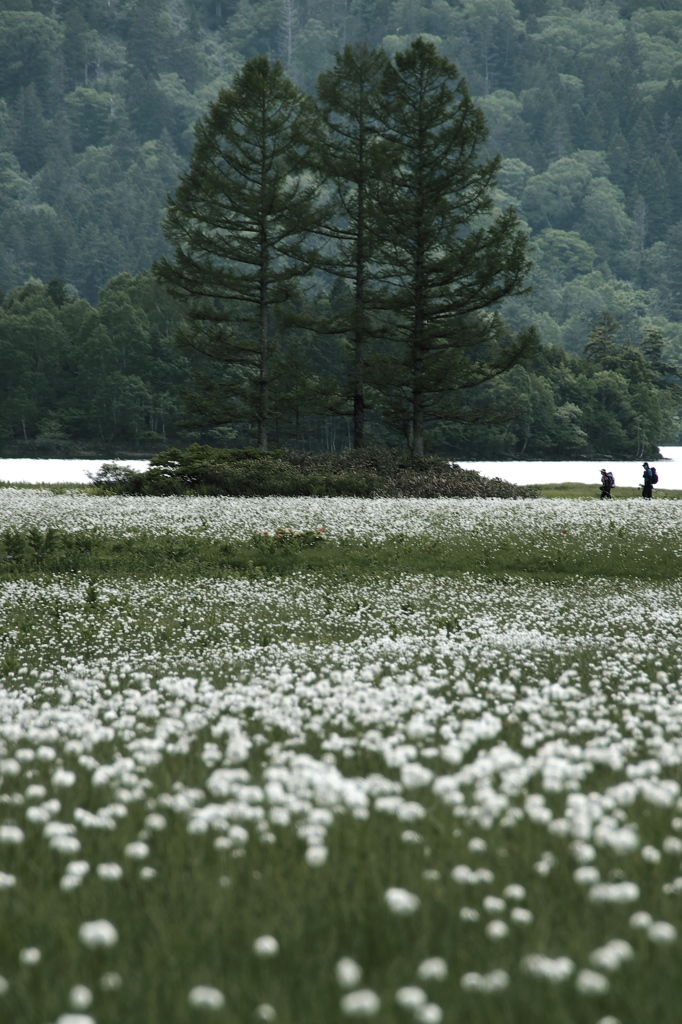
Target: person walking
[607,482]
[650,478]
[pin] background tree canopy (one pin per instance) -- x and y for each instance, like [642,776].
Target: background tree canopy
[97,99]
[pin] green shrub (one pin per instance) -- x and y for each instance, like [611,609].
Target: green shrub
[364,473]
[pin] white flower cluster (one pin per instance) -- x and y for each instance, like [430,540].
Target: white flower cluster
[210,722]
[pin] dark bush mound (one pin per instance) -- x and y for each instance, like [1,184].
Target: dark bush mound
[365,473]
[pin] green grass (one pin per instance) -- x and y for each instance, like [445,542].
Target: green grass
[574,490]
[557,554]
[56,488]
[335,654]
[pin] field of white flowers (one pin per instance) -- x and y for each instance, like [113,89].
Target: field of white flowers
[377,520]
[304,799]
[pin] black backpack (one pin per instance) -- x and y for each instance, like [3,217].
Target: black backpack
[654,475]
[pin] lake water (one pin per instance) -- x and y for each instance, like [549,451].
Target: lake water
[55,471]
[627,474]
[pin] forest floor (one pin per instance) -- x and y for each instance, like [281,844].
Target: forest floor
[316,759]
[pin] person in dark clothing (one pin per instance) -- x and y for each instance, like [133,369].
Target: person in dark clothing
[607,482]
[648,485]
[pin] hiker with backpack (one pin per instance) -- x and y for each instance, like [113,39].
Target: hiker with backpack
[607,482]
[650,478]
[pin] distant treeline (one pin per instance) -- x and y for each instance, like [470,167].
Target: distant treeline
[583,99]
[106,381]
[97,101]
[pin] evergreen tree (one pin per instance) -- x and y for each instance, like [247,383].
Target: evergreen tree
[30,131]
[354,158]
[441,268]
[240,224]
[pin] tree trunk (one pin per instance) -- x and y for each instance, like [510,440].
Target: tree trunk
[359,340]
[263,371]
[417,423]
[263,309]
[359,365]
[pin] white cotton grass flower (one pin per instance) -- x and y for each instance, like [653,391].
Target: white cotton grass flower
[80,997]
[7,881]
[401,902]
[147,873]
[30,956]
[430,1013]
[75,1018]
[432,969]
[469,914]
[543,866]
[582,852]
[411,837]
[614,892]
[414,775]
[640,920]
[64,844]
[410,810]
[587,874]
[495,981]
[266,946]
[650,855]
[477,845]
[612,955]
[206,997]
[494,905]
[553,969]
[348,972]
[4,985]
[155,822]
[316,856]
[364,1002]
[100,934]
[11,835]
[592,983]
[76,871]
[70,882]
[63,778]
[672,845]
[410,997]
[514,892]
[35,791]
[609,1019]
[265,1012]
[136,850]
[464,875]
[79,868]
[38,815]
[496,930]
[521,916]
[111,981]
[661,933]
[109,872]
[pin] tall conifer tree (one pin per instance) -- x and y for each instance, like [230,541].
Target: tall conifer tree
[353,157]
[240,223]
[443,265]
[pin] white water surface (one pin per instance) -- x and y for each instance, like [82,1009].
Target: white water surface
[57,471]
[627,474]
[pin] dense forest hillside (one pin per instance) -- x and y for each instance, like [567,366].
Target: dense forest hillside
[583,100]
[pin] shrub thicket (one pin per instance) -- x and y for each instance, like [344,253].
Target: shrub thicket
[370,472]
